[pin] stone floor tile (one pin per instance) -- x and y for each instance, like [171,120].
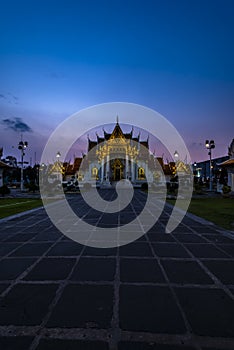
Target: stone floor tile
[26,304]
[136,249]
[6,248]
[67,344]
[85,306]
[51,269]
[219,238]
[222,269]
[149,309]
[210,312]
[140,270]
[172,250]
[205,251]
[189,238]
[185,272]
[15,343]
[94,269]
[12,268]
[65,249]
[32,249]
[3,286]
[127,345]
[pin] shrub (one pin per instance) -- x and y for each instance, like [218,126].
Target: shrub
[33,187]
[172,188]
[144,186]
[226,189]
[4,190]
[198,188]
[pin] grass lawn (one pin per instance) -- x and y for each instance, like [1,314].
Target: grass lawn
[217,210]
[11,206]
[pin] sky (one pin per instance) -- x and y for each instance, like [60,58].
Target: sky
[174,56]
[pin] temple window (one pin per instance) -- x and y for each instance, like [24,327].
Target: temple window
[94,172]
[141,173]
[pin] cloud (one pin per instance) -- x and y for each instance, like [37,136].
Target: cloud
[16,124]
[12,99]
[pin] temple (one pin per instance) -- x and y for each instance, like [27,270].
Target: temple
[116,156]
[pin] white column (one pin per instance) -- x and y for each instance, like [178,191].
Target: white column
[108,167]
[102,170]
[133,169]
[126,166]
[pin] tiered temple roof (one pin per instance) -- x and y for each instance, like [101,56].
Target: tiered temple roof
[71,169]
[116,133]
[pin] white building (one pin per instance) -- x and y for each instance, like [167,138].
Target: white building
[229,165]
[116,156]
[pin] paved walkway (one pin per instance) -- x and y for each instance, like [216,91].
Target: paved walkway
[164,291]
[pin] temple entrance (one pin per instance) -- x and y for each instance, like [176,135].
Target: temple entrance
[117,170]
[117,174]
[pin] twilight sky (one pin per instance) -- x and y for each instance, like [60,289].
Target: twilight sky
[175,56]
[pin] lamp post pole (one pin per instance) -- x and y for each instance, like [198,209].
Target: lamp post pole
[58,155]
[22,147]
[210,145]
[195,171]
[22,172]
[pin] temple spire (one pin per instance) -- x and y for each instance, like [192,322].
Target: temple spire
[117,119]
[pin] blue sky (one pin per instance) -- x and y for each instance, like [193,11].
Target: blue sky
[176,57]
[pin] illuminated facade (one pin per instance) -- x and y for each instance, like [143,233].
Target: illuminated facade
[116,156]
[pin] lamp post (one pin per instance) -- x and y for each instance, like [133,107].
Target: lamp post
[194,168]
[22,147]
[195,172]
[58,155]
[41,177]
[37,167]
[210,145]
[176,158]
